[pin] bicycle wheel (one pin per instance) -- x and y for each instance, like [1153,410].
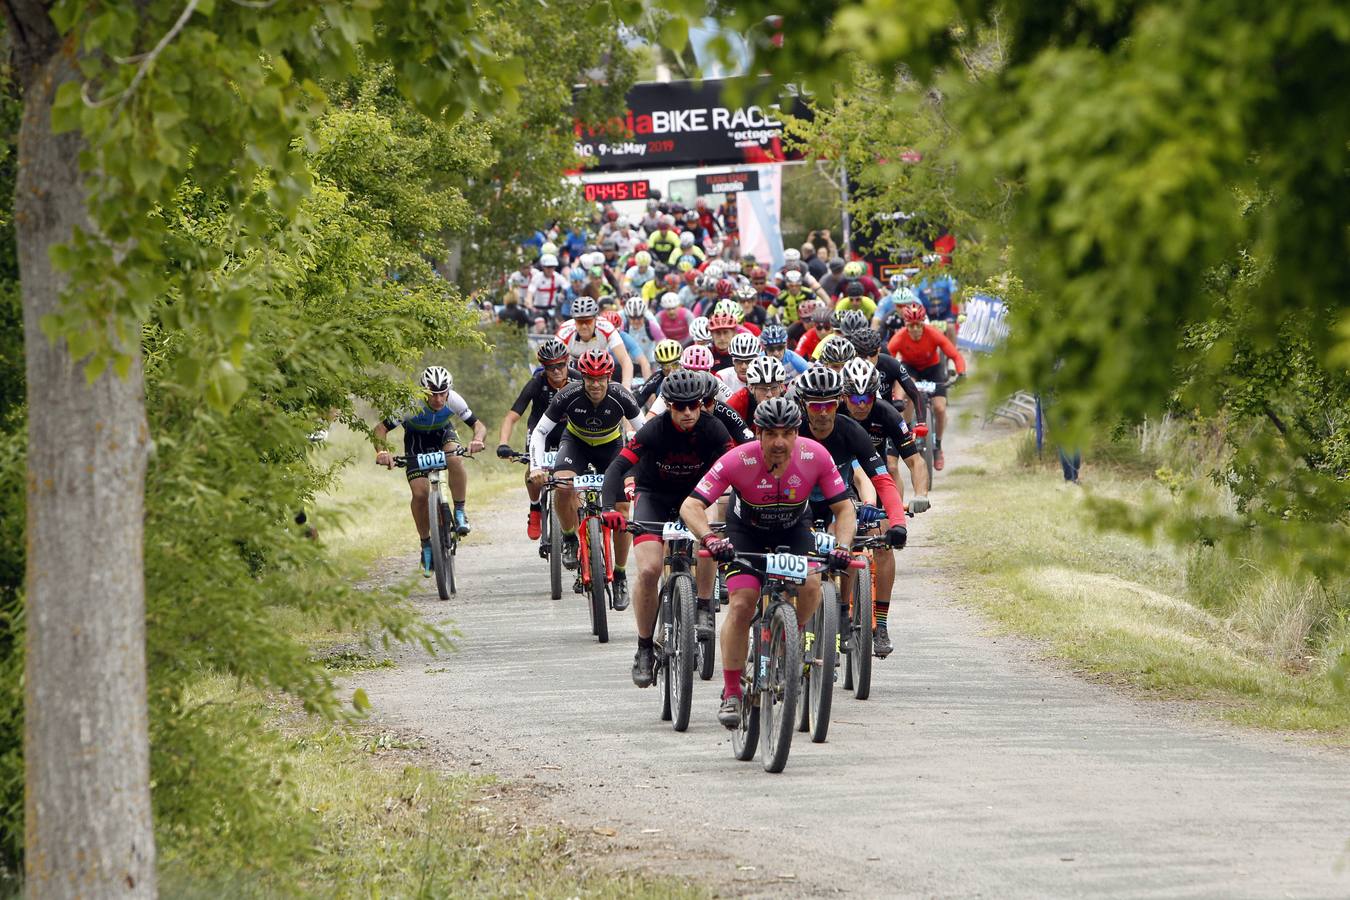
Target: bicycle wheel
[782,659]
[860,624]
[745,738]
[451,538]
[555,552]
[680,658]
[707,650]
[823,662]
[808,651]
[599,624]
[930,439]
[665,640]
[438,539]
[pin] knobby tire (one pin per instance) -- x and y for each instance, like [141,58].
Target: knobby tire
[596,552]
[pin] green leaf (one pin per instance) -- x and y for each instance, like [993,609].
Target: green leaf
[675,34]
[360,702]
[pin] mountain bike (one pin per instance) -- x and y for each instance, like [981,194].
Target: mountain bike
[676,627]
[820,653]
[925,424]
[444,535]
[595,551]
[860,615]
[550,532]
[772,677]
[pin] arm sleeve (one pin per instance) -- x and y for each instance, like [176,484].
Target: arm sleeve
[631,410]
[736,426]
[654,329]
[391,423]
[828,479]
[539,437]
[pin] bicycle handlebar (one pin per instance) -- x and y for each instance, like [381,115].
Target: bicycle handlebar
[402,461]
[813,557]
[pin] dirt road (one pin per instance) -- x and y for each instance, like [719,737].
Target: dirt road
[974,770]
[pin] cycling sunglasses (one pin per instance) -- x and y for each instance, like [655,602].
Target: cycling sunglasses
[859,399]
[823,406]
[685,405]
[553,367]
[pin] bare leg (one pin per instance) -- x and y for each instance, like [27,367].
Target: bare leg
[940,415]
[457,477]
[622,539]
[650,555]
[420,489]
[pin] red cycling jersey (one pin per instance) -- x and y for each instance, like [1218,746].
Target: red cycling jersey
[923,353]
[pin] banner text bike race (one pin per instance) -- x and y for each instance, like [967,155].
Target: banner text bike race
[683,123]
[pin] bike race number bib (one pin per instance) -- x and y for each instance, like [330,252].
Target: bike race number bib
[927,387]
[588,482]
[434,460]
[675,531]
[549,457]
[824,542]
[788,566]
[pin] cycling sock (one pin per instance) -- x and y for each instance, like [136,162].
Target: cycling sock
[620,573]
[459,506]
[426,542]
[731,682]
[645,643]
[705,603]
[883,608]
[569,534]
[535,507]
[937,442]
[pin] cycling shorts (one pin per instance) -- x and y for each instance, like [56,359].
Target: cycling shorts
[798,539]
[650,507]
[936,374]
[575,455]
[416,442]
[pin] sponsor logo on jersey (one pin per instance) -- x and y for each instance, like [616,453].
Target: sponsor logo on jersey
[748,460]
[794,480]
[807,455]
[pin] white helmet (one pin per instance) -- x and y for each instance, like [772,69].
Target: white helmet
[635,307]
[622,222]
[436,379]
[585,308]
[793,277]
[698,330]
[791,256]
[548,259]
[670,300]
[765,370]
[686,239]
[642,259]
[715,269]
[745,346]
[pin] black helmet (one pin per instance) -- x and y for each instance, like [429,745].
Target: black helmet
[712,386]
[551,350]
[778,412]
[823,316]
[866,341]
[683,386]
[854,289]
[836,264]
[819,383]
[852,320]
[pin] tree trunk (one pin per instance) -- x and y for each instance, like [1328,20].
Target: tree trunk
[86,745]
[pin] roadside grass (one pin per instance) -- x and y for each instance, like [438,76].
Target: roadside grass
[362,816]
[1255,646]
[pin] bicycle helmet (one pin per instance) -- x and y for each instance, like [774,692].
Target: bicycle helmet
[720,321]
[867,342]
[712,386]
[793,277]
[696,357]
[854,289]
[686,239]
[436,379]
[837,350]
[897,281]
[806,307]
[613,317]
[778,412]
[683,385]
[577,274]
[836,264]
[715,269]
[548,260]
[728,308]
[635,308]
[774,336]
[822,316]
[642,259]
[792,255]
[913,312]
[723,287]
[609,243]
[551,351]
[698,330]
[905,296]
[766,370]
[745,346]
[747,292]
[585,308]
[595,363]
[667,351]
[819,383]
[854,269]
[861,377]
[670,300]
[852,320]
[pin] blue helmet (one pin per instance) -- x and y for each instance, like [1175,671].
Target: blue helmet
[774,335]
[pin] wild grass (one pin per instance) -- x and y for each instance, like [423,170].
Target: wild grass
[1256,644]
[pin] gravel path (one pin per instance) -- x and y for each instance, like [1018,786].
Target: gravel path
[974,770]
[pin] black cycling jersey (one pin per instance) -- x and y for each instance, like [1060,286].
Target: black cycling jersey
[893,370]
[650,388]
[669,461]
[591,422]
[537,395]
[884,425]
[848,442]
[721,358]
[732,421]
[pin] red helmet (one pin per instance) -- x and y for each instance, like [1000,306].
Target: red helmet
[757,272]
[640,246]
[691,275]
[672,280]
[724,287]
[612,215]
[913,312]
[613,317]
[595,363]
[721,321]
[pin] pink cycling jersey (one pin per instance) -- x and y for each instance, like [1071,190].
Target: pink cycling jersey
[763,500]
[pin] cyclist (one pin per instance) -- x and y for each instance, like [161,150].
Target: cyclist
[752,314]
[744,348]
[665,240]
[918,346]
[640,272]
[430,429]
[593,411]
[641,325]
[891,305]
[546,288]
[855,298]
[834,351]
[674,319]
[823,325]
[775,341]
[641,364]
[583,332]
[789,298]
[537,394]
[671,452]
[770,480]
[893,372]
[688,247]
[765,377]
[722,327]
[890,437]
[667,355]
